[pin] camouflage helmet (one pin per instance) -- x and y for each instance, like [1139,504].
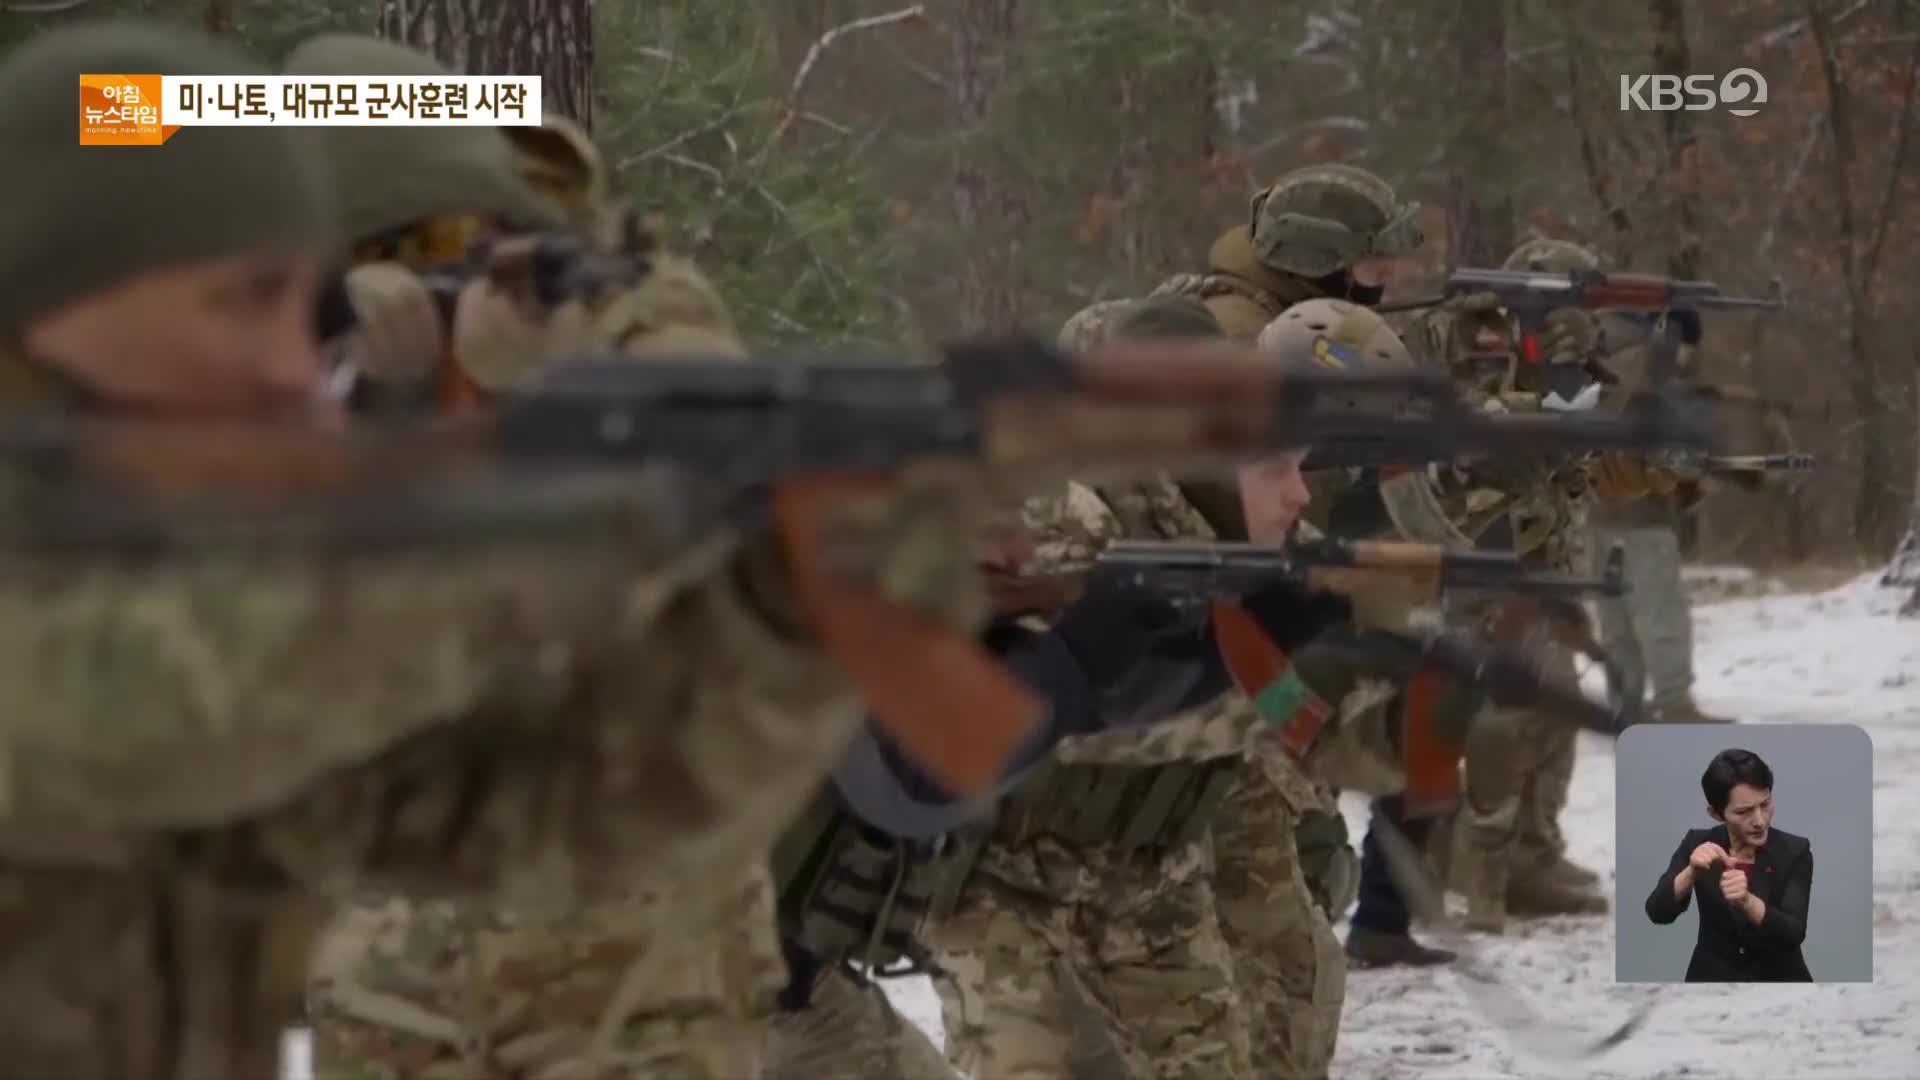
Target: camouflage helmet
[1160,317]
[1335,334]
[388,177]
[1552,256]
[1324,218]
[1088,327]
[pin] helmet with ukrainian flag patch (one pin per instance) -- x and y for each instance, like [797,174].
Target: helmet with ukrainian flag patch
[1336,335]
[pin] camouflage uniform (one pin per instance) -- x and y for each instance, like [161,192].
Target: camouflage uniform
[201,751]
[1089,935]
[1507,849]
[651,980]
[1303,232]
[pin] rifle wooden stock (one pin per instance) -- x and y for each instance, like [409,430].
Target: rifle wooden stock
[948,703]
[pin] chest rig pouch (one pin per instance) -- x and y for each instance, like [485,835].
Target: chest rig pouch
[1134,807]
[851,894]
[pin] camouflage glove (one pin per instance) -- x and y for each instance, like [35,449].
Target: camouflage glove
[397,336]
[502,334]
[1570,337]
[1327,861]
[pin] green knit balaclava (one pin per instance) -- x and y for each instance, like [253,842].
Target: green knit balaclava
[75,220]
[393,176]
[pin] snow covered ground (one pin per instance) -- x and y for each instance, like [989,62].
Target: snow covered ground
[1830,657]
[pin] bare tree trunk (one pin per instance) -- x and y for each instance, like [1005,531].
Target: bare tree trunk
[1859,242]
[1903,570]
[986,207]
[219,16]
[549,38]
[1681,218]
[1479,193]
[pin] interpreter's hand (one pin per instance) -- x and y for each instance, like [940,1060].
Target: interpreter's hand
[397,334]
[1733,886]
[1706,855]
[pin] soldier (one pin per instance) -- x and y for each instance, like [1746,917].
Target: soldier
[1085,940]
[652,981]
[1508,852]
[204,749]
[413,200]
[1324,231]
[1649,631]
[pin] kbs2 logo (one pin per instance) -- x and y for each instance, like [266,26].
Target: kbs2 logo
[1739,90]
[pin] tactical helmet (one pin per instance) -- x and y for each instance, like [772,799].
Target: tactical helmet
[1323,218]
[393,176]
[77,219]
[1167,316]
[1335,334]
[1552,256]
[1088,327]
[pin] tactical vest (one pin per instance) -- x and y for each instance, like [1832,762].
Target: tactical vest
[1158,806]
[851,893]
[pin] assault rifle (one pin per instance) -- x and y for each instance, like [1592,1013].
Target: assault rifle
[775,443]
[1532,294]
[1203,573]
[1694,461]
[1216,574]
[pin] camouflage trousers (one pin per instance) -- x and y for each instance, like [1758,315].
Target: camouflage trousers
[1649,631]
[850,1031]
[650,987]
[1089,960]
[1519,766]
[1276,888]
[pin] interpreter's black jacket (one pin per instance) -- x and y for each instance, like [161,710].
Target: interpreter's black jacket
[1730,948]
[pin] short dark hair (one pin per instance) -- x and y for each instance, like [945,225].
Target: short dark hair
[1730,767]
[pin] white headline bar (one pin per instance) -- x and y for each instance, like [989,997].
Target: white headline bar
[350,101]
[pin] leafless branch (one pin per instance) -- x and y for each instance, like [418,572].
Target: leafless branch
[926,74]
[816,118]
[1816,124]
[40,7]
[698,166]
[686,136]
[822,44]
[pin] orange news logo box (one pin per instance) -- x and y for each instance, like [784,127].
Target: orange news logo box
[122,110]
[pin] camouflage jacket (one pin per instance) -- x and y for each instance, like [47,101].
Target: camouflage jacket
[205,750]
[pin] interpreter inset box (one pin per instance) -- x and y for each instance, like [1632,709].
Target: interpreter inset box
[1744,853]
